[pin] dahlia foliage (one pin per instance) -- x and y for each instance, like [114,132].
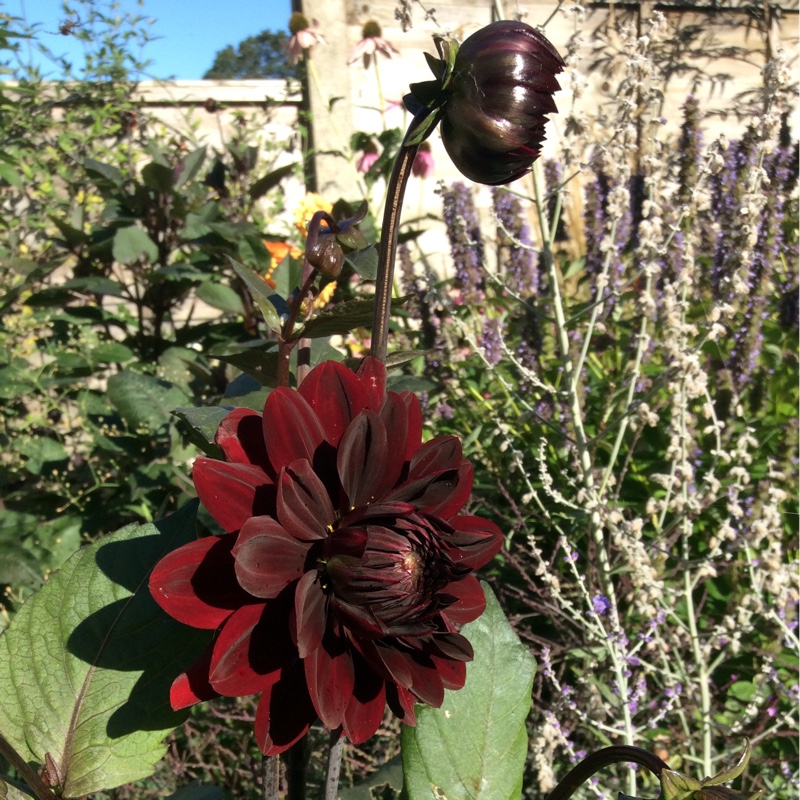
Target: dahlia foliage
[346,567]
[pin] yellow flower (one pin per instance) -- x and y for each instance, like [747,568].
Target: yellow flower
[323,298]
[308,206]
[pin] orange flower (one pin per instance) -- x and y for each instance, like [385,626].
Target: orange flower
[278,251]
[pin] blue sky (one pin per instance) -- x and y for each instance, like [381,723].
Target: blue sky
[191,31]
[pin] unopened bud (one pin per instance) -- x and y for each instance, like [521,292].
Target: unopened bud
[326,256]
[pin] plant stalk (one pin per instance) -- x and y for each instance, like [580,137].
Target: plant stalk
[31,777]
[334,765]
[616,754]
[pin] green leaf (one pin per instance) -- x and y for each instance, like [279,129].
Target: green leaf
[270,180]
[131,243]
[106,173]
[83,676]
[261,294]
[256,363]
[10,792]
[743,691]
[188,168]
[338,320]
[203,424]
[10,175]
[143,399]
[364,262]
[159,177]
[474,746]
[111,353]
[41,451]
[220,296]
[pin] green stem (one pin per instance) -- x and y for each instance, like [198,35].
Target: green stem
[388,248]
[616,754]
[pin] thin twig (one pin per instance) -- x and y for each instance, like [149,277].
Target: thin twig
[334,765]
[271,773]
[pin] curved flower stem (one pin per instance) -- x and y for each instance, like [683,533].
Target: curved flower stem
[388,249]
[334,765]
[40,789]
[616,754]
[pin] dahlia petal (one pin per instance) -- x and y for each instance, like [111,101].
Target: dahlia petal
[449,646]
[241,437]
[330,677]
[452,673]
[365,709]
[250,650]
[304,507]
[357,617]
[401,702]
[396,422]
[196,583]
[437,455]
[474,541]
[336,395]
[372,374]
[440,494]
[395,662]
[268,558]
[291,428]
[311,614]
[284,713]
[192,686]
[471,601]
[233,493]
[346,542]
[426,682]
[361,458]
[414,435]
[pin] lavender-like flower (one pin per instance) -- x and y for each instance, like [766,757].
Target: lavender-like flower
[516,256]
[466,242]
[492,340]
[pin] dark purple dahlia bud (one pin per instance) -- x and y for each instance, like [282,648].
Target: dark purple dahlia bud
[492,99]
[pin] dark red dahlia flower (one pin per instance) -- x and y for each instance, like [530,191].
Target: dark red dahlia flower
[346,565]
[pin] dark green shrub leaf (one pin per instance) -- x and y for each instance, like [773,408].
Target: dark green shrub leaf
[389,775]
[203,424]
[270,181]
[82,675]
[158,176]
[143,399]
[474,746]
[131,243]
[111,353]
[102,173]
[217,295]
[187,169]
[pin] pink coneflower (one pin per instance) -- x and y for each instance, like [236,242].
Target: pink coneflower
[423,162]
[371,42]
[369,156]
[304,36]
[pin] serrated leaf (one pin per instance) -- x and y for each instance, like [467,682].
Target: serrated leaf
[256,363]
[131,243]
[338,320]
[143,399]
[220,296]
[474,746]
[83,677]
